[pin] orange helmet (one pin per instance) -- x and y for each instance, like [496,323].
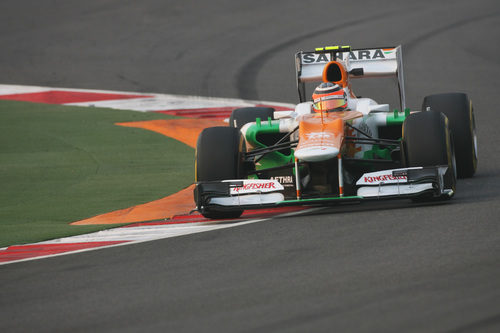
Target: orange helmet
[329,97]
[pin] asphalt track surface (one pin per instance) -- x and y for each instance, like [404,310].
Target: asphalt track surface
[381,267]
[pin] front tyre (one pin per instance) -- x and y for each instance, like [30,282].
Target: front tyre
[460,112]
[427,141]
[219,157]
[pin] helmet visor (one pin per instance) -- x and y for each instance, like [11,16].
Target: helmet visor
[330,103]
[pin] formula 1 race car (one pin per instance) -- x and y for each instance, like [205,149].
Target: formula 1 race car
[336,147]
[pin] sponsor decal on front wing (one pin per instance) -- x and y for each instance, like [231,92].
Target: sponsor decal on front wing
[383,178]
[256,186]
[394,176]
[284,180]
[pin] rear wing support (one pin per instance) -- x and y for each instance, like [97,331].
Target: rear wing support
[374,62]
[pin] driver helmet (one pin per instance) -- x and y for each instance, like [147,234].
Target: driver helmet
[329,97]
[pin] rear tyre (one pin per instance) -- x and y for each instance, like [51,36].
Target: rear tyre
[427,141]
[242,116]
[458,108]
[218,157]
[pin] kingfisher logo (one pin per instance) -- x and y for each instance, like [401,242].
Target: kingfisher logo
[374,54]
[383,178]
[257,186]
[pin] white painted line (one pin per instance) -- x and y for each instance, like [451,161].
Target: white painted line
[153,232]
[163,102]
[8,89]
[137,235]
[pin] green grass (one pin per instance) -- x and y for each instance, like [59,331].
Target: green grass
[60,164]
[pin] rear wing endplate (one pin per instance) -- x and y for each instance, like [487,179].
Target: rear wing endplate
[375,62]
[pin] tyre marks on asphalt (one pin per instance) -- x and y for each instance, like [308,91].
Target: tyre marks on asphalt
[246,78]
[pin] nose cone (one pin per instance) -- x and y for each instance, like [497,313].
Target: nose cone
[316,154]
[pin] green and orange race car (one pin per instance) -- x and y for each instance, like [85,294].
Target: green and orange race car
[336,147]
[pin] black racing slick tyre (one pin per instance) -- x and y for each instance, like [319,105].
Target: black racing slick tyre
[427,141]
[242,116]
[218,157]
[460,112]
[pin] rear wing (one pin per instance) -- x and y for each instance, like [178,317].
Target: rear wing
[374,62]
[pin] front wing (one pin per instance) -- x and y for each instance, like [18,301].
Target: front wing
[240,194]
